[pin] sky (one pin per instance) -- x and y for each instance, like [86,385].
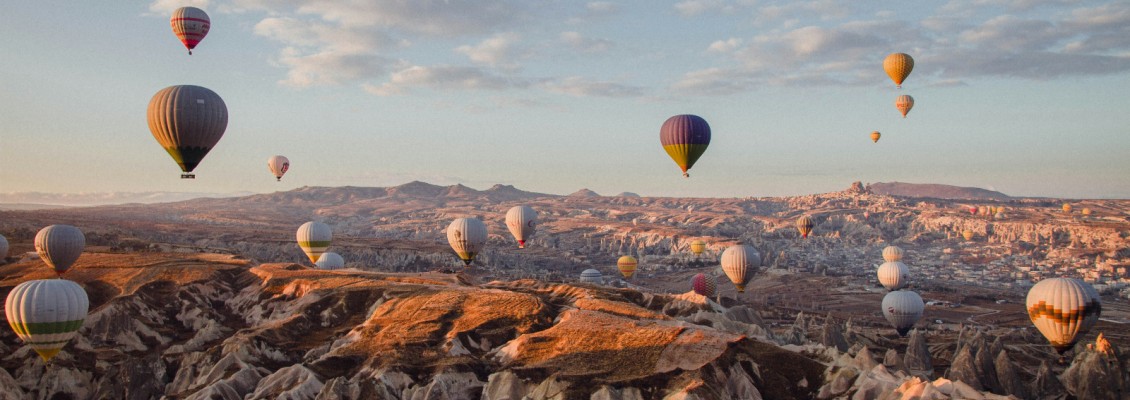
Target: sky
[1026,97]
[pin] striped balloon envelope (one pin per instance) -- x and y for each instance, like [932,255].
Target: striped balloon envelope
[330,261]
[740,263]
[314,238]
[893,275]
[1063,310]
[627,266]
[704,285]
[191,25]
[467,237]
[903,308]
[59,246]
[892,253]
[522,222]
[804,224]
[187,121]
[904,103]
[685,137]
[592,276]
[46,313]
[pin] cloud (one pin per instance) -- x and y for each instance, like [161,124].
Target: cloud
[583,44]
[584,87]
[1009,33]
[724,46]
[443,77]
[601,7]
[690,8]
[166,7]
[442,18]
[330,67]
[496,51]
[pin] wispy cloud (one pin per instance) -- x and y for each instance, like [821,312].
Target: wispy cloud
[583,44]
[497,51]
[444,78]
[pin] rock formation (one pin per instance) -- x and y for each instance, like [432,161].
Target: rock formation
[917,358]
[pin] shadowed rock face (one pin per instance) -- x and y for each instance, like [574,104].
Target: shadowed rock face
[207,326]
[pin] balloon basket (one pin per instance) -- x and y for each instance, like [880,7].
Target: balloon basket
[188,176]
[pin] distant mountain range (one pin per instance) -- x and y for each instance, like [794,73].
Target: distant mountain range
[40,200]
[936,191]
[415,189]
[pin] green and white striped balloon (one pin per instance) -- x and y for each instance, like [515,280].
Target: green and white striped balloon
[46,313]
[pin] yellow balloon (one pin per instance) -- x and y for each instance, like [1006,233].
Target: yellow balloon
[627,266]
[898,67]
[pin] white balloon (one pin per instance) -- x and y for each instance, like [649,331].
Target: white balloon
[903,308]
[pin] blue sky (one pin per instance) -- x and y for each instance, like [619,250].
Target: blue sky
[1026,97]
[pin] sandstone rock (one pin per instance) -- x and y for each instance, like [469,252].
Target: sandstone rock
[448,386]
[1009,378]
[917,358]
[864,361]
[1046,384]
[293,382]
[838,383]
[506,385]
[986,369]
[9,389]
[964,368]
[892,361]
[339,388]
[551,389]
[610,393]
[1096,374]
[831,336]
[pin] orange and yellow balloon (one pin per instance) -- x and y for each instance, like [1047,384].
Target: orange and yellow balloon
[898,67]
[875,136]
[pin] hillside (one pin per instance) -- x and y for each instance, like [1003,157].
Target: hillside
[936,191]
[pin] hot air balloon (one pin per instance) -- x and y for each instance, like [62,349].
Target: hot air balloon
[893,275]
[627,266]
[1064,310]
[591,276]
[904,103]
[467,236]
[804,225]
[1086,211]
[685,138]
[191,25]
[875,136]
[330,261]
[278,165]
[522,221]
[3,249]
[704,285]
[314,237]
[59,246]
[740,262]
[903,308]
[892,253]
[46,313]
[1067,208]
[187,121]
[998,215]
[898,67]
[973,210]
[697,247]
[967,234]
